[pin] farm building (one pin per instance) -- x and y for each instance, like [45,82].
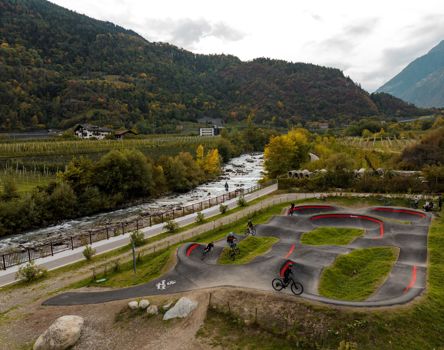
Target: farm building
[88,131]
[214,131]
[119,135]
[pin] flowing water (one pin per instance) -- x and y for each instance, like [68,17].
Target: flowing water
[241,172]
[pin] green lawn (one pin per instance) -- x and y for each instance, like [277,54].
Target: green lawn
[355,276]
[148,268]
[250,248]
[331,236]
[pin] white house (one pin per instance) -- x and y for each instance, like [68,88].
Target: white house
[214,131]
[87,131]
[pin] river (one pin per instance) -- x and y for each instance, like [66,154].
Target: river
[241,172]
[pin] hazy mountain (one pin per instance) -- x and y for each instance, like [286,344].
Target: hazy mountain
[422,81]
[59,68]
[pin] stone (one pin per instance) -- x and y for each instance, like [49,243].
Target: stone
[133,305]
[62,334]
[143,304]
[152,310]
[181,310]
[167,306]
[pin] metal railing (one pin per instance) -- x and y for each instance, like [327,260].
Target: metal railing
[91,236]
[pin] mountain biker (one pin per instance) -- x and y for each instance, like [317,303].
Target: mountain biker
[209,247]
[231,240]
[250,228]
[287,274]
[291,210]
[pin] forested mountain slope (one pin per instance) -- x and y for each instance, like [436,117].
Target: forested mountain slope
[422,81]
[59,68]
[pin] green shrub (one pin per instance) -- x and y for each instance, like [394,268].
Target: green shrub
[30,272]
[200,218]
[223,208]
[171,226]
[242,202]
[89,252]
[138,238]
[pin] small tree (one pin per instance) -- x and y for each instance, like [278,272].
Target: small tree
[89,252]
[138,238]
[223,208]
[171,226]
[200,218]
[30,272]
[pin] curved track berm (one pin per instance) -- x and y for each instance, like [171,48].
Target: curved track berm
[383,226]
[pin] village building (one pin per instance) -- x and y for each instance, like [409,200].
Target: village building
[119,135]
[88,131]
[214,131]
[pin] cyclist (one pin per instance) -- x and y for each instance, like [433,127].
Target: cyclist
[231,240]
[209,247]
[287,274]
[250,228]
[291,210]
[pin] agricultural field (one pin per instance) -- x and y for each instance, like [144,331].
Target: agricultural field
[35,162]
[379,144]
[25,180]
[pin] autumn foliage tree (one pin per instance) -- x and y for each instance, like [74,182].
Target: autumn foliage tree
[286,152]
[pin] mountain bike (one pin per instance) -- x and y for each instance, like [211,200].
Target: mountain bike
[250,231]
[234,250]
[205,253]
[296,287]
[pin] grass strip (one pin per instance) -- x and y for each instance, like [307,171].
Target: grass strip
[331,236]
[355,276]
[249,248]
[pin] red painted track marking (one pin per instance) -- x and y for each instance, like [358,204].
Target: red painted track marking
[412,280]
[306,207]
[191,248]
[352,216]
[285,267]
[406,211]
[290,251]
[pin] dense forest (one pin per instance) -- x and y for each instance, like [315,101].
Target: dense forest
[59,68]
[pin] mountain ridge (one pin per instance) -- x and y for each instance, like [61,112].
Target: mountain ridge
[422,81]
[60,68]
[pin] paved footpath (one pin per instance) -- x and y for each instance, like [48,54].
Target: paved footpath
[71,256]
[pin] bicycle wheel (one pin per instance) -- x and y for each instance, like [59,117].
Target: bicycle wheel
[297,288]
[232,254]
[277,284]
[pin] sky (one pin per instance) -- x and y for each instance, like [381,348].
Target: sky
[371,41]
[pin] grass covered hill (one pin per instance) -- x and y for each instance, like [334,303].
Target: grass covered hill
[59,68]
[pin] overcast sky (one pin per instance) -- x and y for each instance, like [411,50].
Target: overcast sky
[371,41]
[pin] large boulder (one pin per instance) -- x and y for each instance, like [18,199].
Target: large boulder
[181,310]
[152,310]
[133,305]
[61,335]
[143,304]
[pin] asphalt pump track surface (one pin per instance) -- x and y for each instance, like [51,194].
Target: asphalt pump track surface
[383,226]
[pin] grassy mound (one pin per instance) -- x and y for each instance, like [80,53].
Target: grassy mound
[331,236]
[357,275]
[250,248]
